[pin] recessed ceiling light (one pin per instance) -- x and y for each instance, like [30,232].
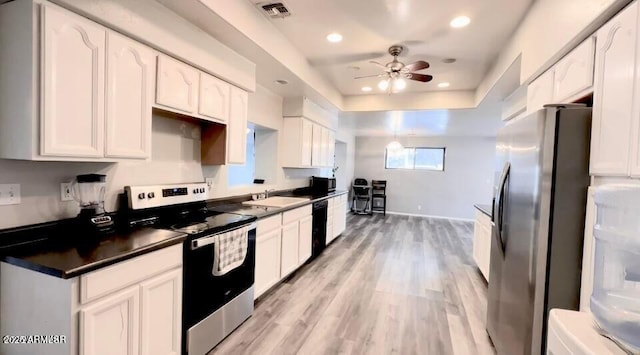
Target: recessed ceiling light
[282,82]
[353,67]
[334,37]
[366,88]
[449,60]
[443,85]
[460,21]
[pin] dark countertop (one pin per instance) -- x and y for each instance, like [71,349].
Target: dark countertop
[486,209]
[67,259]
[262,212]
[51,248]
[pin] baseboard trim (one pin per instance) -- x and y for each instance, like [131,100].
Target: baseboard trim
[430,216]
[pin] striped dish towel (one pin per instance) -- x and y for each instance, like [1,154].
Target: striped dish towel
[230,250]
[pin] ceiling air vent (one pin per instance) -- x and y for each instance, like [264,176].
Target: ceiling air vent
[275,9]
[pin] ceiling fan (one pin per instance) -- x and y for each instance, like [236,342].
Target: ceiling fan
[396,72]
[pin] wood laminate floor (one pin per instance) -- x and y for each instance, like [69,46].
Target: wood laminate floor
[388,285]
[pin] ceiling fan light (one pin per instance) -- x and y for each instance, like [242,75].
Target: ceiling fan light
[399,84]
[383,84]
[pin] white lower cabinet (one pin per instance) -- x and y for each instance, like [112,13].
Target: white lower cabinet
[268,254]
[305,227]
[290,237]
[110,325]
[131,307]
[161,314]
[482,243]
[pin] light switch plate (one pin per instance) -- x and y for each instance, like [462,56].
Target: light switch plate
[9,194]
[65,191]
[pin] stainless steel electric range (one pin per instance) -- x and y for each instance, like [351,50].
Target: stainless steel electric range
[212,306]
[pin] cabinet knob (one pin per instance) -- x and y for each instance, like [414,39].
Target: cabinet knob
[151,195]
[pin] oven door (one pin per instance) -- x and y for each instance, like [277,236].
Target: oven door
[204,293]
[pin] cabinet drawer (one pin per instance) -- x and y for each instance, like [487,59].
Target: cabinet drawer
[268,224]
[294,215]
[343,198]
[332,202]
[112,278]
[483,219]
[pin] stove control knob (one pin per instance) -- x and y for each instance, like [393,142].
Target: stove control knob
[141,196]
[195,191]
[151,195]
[202,190]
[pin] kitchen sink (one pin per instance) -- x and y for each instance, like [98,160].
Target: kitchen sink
[277,201]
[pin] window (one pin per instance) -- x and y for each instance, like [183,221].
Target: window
[415,158]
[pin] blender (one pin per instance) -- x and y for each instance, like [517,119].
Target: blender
[88,190]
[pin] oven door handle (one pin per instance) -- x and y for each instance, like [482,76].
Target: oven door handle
[211,239]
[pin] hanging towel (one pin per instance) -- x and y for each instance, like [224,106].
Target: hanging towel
[230,250]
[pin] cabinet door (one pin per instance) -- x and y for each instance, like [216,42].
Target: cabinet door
[574,73]
[588,253]
[339,219]
[213,100]
[268,250]
[161,323]
[111,325]
[306,142]
[613,97]
[330,236]
[129,98]
[305,239]
[540,92]
[332,149]
[316,146]
[237,127]
[73,52]
[477,242]
[485,253]
[324,153]
[289,260]
[177,85]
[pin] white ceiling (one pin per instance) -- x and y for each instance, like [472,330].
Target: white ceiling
[483,121]
[369,27]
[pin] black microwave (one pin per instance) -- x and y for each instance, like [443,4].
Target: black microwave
[322,185]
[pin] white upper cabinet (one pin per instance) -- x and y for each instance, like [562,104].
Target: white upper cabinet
[574,73]
[177,85]
[298,145]
[332,148]
[130,79]
[316,146]
[237,127]
[213,98]
[73,52]
[613,94]
[324,147]
[540,92]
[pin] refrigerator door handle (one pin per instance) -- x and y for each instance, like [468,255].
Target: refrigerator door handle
[499,205]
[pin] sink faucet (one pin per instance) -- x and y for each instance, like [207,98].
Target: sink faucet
[266,193]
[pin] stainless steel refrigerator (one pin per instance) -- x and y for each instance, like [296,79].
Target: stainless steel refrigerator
[542,176]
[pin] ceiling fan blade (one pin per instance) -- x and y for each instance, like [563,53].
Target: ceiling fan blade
[370,76]
[419,65]
[419,77]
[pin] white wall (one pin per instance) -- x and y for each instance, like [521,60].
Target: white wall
[175,159]
[467,179]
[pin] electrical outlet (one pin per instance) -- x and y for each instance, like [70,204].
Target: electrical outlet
[65,191]
[10,194]
[209,182]
[419,207]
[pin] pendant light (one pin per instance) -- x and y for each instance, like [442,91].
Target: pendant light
[394,146]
